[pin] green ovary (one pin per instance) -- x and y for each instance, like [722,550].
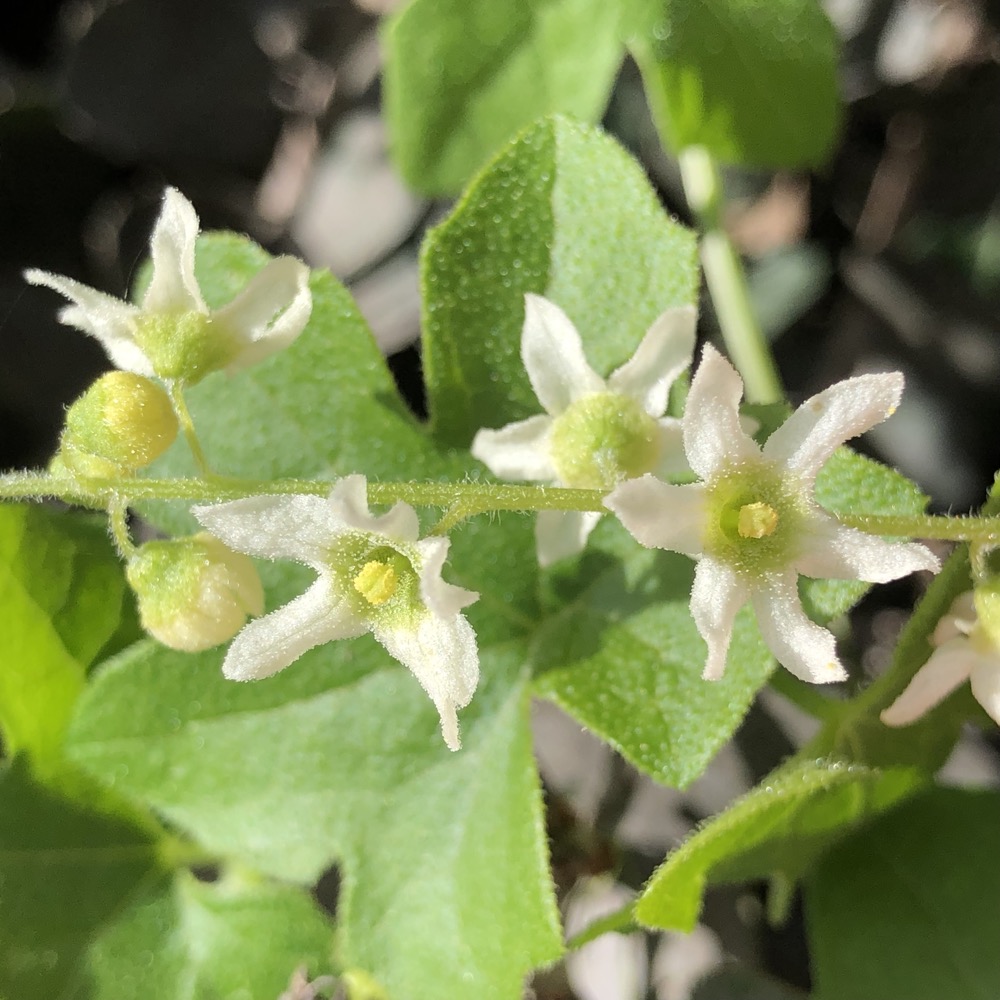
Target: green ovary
[602,439]
[754,519]
[184,346]
[379,581]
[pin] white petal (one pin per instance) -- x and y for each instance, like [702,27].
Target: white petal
[553,356]
[832,551]
[659,515]
[173,287]
[443,599]
[282,287]
[443,657]
[269,644]
[518,451]
[948,667]
[713,435]
[349,501]
[672,460]
[664,353]
[800,645]
[961,619]
[716,596]
[824,422]
[986,685]
[560,534]
[102,316]
[276,527]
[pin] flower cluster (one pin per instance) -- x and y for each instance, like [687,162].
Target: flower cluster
[750,519]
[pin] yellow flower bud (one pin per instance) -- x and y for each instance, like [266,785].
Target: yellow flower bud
[194,593]
[121,423]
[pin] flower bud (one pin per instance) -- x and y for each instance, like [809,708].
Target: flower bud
[194,593]
[121,423]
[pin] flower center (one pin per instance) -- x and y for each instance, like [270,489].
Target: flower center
[185,346]
[376,582]
[755,519]
[602,439]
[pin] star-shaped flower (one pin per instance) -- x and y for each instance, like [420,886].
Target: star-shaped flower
[373,576]
[173,334]
[753,523]
[595,432]
[965,652]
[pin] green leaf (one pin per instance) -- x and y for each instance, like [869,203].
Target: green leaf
[907,905]
[185,940]
[65,870]
[339,758]
[850,483]
[779,827]
[624,657]
[63,597]
[462,76]
[564,212]
[754,81]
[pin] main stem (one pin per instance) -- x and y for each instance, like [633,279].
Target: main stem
[727,281]
[460,500]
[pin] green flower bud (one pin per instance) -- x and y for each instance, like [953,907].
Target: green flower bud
[194,593]
[121,423]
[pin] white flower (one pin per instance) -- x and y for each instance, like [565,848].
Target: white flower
[965,652]
[596,433]
[754,525]
[373,576]
[174,334]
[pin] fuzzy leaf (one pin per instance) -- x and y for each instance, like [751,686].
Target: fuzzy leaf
[563,212]
[462,76]
[63,597]
[184,940]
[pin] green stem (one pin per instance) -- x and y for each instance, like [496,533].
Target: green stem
[468,498]
[727,281]
[984,530]
[118,520]
[187,428]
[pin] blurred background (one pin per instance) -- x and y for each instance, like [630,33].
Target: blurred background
[266,115]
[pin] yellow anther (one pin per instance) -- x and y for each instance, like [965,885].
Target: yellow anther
[757,520]
[376,582]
